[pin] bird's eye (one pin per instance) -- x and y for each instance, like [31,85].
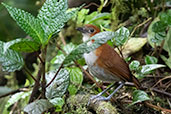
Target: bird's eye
[91,30]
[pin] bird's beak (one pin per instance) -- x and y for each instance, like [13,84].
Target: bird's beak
[81,29]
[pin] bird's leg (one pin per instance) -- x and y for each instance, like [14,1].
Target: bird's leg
[109,97]
[101,93]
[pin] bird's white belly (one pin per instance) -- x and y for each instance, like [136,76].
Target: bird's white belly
[97,71]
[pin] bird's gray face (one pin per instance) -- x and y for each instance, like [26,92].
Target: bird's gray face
[86,30]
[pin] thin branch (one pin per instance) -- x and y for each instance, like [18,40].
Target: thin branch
[36,86]
[15,91]
[91,4]
[55,75]
[62,38]
[161,80]
[140,25]
[43,84]
[29,73]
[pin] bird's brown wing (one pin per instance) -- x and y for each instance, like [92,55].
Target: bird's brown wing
[109,59]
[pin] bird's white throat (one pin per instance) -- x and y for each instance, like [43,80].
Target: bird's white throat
[85,37]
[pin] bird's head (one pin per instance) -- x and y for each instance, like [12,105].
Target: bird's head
[88,31]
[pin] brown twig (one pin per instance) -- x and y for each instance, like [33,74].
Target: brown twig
[55,75]
[36,86]
[160,91]
[161,80]
[140,26]
[90,4]
[29,73]
[62,38]
[13,108]
[43,56]
[157,107]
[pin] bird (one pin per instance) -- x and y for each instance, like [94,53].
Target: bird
[106,64]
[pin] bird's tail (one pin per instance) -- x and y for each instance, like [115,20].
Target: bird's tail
[136,82]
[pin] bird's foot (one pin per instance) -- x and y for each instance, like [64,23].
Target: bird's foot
[96,98]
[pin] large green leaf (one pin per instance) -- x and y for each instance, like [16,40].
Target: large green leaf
[53,16]
[38,106]
[122,36]
[22,45]
[16,97]
[59,86]
[139,96]
[27,22]
[100,16]
[10,59]
[147,68]
[99,38]
[151,60]
[76,79]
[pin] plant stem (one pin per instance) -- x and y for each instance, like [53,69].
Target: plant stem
[43,56]
[55,75]
[36,86]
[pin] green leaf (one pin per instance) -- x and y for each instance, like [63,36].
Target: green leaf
[100,16]
[166,60]
[81,16]
[10,59]
[58,59]
[99,38]
[38,106]
[147,68]
[76,79]
[168,42]
[58,103]
[151,60]
[22,45]
[122,36]
[4,90]
[59,86]
[16,97]
[134,65]
[27,22]
[139,96]
[53,15]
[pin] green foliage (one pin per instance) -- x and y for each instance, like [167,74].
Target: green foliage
[76,79]
[139,96]
[159,27]
[58,103]
[168,48]
[16,97]
[146,69]
[59,86]
[99,38]
[4,90]
[22,45]
[141,71]
[95,18]
[53,15]
[121,37]
[50,19]
[134,65]
[38,107]
[27,22]
[151,60]
[10,59]
[59,58]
